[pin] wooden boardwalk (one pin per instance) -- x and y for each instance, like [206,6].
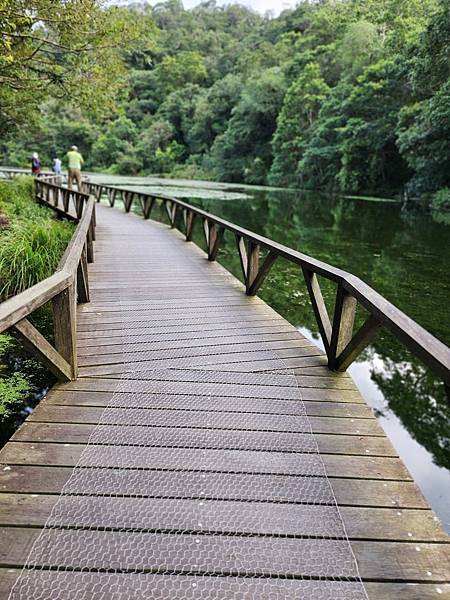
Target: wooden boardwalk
[184,425]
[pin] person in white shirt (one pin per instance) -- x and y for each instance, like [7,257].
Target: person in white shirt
[57,166]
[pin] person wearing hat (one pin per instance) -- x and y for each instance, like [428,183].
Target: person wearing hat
[36,167]
[74,160]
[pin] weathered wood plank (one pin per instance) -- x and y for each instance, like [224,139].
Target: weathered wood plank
[346,410]
[296,557]
[327,443]
[210,420]
[227,486]
[225,461]
[228,587]
[218,516]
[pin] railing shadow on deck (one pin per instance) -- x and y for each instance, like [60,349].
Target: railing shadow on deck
[342,344]
[67,286]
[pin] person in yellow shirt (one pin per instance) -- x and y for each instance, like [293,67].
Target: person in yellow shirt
[74,160]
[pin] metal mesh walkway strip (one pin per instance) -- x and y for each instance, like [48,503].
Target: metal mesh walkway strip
[195,484]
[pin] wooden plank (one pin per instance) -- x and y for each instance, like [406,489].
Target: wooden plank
[348,492]
[164,331]
[296,557]
[215,344]
[228,587]
[219,516]
[221,353]
[186,340]
[110,385]
[326,443]
[229,300]
[158,314]
[102,398]
[225,461]
[210,420]
[346,410]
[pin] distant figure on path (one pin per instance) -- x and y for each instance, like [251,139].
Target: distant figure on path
[57,166]
[74,160]
[36,167]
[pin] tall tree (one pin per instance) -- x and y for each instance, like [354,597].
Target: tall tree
[68,50]
[300,108]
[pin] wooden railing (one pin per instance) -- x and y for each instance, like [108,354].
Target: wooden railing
[342,344]
[11,172]
[67,286]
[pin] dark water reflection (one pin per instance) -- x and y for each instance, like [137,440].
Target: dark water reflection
[406,258]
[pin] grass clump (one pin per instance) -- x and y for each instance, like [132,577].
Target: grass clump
[32,242]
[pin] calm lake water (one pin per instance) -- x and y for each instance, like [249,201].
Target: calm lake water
[403,255]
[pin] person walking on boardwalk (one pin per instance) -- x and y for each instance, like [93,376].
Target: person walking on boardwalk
[74,160]
[36,167]
[57,166]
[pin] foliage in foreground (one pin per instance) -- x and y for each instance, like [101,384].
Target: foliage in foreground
[72,51]
[32,242]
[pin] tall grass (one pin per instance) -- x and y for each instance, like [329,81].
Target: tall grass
[32,241]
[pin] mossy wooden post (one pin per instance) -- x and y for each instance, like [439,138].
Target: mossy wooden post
[64,323]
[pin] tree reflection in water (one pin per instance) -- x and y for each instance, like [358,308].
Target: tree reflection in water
[404,256]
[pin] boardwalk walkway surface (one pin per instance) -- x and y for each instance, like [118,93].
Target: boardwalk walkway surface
[205,451]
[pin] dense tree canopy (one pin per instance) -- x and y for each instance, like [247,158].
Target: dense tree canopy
[348,95]
[72,51]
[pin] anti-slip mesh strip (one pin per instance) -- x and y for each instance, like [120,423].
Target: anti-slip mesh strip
[194,484]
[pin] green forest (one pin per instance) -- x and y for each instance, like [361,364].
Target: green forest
[349,96]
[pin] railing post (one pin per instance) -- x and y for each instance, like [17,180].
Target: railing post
[64,323]
[214,238]
[82,278]
[190,217]
[94,222]
[342,331]
[79,204]
[89,243]
[252,265]
[319,307]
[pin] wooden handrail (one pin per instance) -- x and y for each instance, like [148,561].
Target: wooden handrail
[67,285]
[11,172]
[341,345]
[18,307]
